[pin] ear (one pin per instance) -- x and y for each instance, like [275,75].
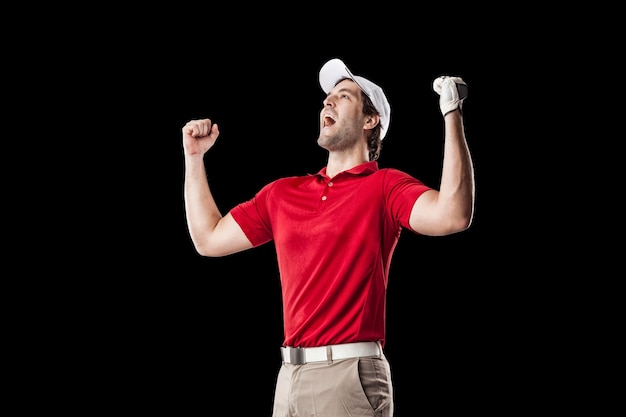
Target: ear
[371,121]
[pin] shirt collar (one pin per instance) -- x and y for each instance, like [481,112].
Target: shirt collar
[366,168]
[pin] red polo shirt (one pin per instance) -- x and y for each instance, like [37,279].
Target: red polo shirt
[334,239]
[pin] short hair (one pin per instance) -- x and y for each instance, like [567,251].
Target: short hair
[374,143]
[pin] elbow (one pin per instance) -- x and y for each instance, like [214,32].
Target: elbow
[462,215]
[204,252]
[463,222]
[209,248]
[447,226]
[457,223]
[207,251]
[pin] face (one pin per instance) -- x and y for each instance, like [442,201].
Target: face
[341,118]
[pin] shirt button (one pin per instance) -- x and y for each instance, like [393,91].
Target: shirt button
[330,184]
[324,198]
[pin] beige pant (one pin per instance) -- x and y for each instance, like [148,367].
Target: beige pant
[358,387]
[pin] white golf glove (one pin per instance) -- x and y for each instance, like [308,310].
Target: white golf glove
[452,91]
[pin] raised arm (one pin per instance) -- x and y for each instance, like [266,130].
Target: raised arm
[211,233]
[451,208]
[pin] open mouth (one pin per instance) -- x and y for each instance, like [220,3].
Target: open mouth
[328,121]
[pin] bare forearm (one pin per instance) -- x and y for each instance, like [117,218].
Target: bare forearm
[457,187]
[200,207]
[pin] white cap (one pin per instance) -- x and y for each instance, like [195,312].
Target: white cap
[335,70]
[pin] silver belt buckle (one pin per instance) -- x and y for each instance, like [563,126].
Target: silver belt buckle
[296,356]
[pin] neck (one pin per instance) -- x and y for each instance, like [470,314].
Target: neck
[339,162]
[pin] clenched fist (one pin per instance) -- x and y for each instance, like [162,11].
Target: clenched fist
[199,136]
[452,91]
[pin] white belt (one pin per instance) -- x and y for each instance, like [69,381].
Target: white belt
[300,356]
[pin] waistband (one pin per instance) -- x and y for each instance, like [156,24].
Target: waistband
[300,355]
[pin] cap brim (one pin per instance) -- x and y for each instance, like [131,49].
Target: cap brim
[333,71]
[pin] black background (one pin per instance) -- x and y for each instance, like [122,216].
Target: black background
[109,308]
[183,332]
[209,329]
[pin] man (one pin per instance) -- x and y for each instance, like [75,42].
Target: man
[335,233]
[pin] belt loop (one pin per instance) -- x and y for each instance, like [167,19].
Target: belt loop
[329,354]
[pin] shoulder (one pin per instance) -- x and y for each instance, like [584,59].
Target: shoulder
[288,182]
[394,174]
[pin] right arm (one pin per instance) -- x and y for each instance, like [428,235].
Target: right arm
[211,233]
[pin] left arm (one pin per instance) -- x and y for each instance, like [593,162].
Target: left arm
[451,208]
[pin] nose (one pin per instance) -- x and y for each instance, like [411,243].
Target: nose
[328,101]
